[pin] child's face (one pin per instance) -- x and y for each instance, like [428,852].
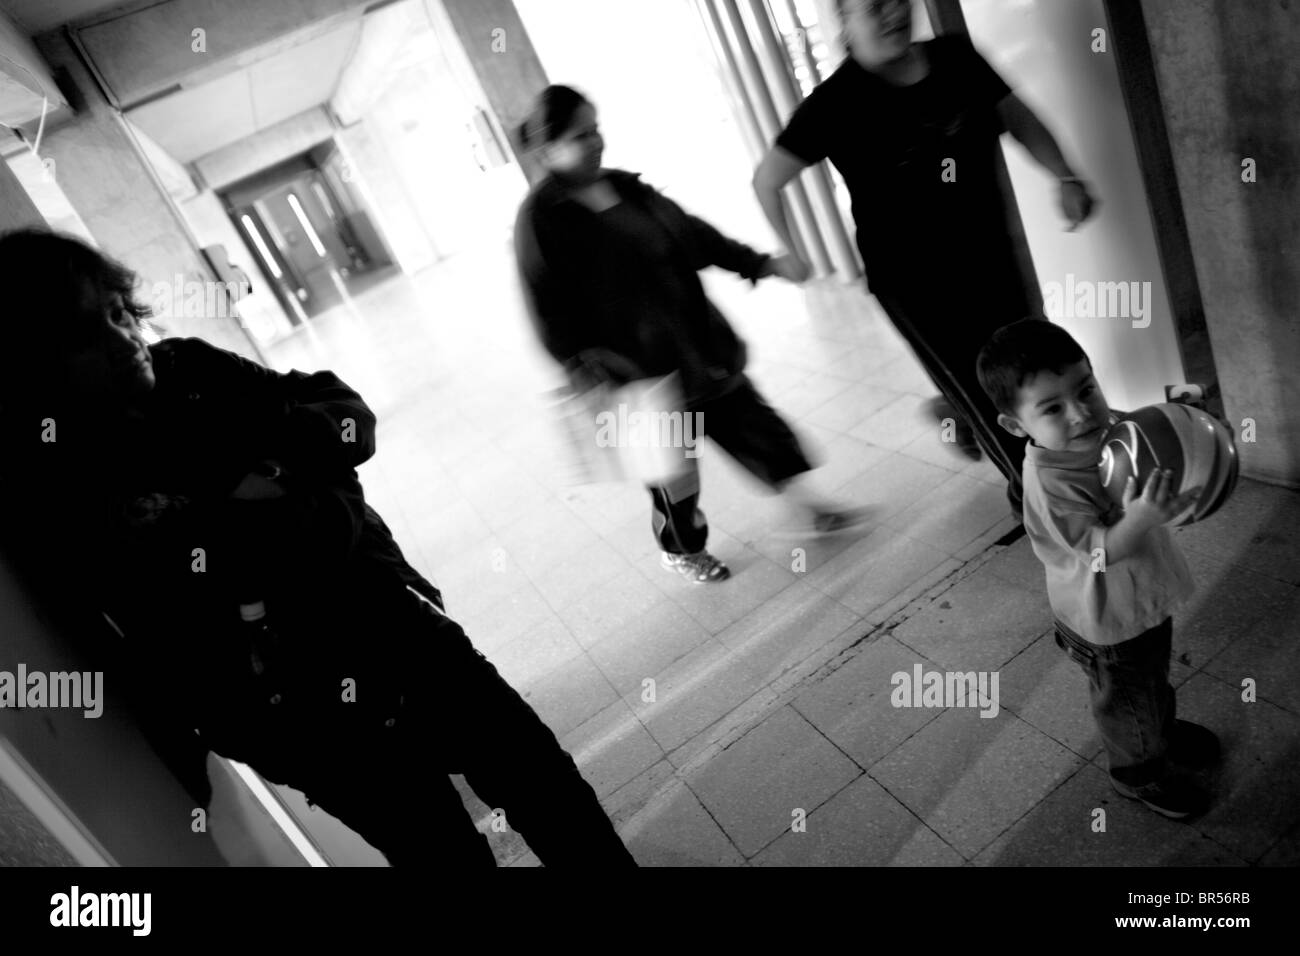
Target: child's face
[1061,412]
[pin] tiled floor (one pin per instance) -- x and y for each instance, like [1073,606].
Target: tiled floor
[750,723]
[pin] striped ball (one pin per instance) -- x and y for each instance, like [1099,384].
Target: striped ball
[1197,446]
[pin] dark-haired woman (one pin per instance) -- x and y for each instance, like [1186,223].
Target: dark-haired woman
[165,486]
[609,268]
[914,129]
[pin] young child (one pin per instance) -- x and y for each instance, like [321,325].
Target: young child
[1113,573]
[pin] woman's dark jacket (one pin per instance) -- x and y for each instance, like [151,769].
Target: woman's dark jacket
[627,280]
[110,522]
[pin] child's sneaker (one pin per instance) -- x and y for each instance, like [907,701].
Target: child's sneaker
[700,567]
[1193,746]
[1173,797]
[942,411]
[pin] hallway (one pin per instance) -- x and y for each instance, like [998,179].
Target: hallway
[771,691]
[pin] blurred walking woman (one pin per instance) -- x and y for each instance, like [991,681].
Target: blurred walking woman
[609,270]
[914,130]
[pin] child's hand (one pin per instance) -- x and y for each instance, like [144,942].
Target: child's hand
[1155,506]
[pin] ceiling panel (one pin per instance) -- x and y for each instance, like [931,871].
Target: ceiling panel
[199,120]
[37,16]
[193,122]
[302,77]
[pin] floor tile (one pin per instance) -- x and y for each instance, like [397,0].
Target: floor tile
[1085,823]
[1049,691]
[953,514]
[1254,789]
[787,629]
[875,569]
[612,748]
[754,787]
[980,624]
[676,830]
[862,825]
[646,647]
[852,705]
[694,693]
[570,694]
[956,774]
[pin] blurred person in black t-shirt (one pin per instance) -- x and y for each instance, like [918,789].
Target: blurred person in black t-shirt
[913,128]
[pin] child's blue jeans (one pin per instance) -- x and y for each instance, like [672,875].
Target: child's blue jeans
[1132,700]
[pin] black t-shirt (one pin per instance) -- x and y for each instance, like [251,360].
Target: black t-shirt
[891,143]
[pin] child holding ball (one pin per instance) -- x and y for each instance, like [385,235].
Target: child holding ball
[1114,576]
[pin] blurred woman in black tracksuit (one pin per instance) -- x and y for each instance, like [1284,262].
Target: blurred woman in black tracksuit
[609,268]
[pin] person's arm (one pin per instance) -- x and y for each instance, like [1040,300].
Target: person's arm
[1023,124]
[303,437]
[807,139]
[307,422]
[707,246]
[778,168]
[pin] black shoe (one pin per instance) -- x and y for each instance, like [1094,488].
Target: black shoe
[1173,797]
[1193,746]
[940,409]
[967,443]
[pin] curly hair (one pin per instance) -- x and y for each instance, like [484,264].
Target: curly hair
[47,276]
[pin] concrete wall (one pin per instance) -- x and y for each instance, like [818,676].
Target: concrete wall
[174,177]
[106,180]
[17,210]
[500,53]
[211,226]
[378,181]
[1043,48]
[42,187]
[101,768]
[1229,83]
[422,120]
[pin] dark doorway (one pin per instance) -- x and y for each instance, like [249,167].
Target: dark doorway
[308,236]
